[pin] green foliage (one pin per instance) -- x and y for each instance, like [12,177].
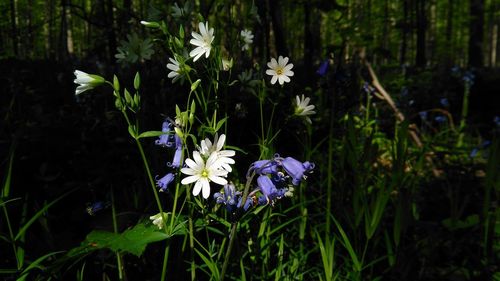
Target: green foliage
[135,49]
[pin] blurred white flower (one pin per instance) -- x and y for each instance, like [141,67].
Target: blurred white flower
[86,81]
[279,70]
[202,40]
[202,173]
[176,71]
[303,108]
[247,37]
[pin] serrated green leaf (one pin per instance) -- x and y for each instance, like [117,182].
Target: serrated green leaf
[133,240]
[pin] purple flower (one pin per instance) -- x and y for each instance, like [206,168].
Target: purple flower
[444,102]
[95,207]
[166,140]
[263,167]
[296,169]
[496,120]
[231,198]
[323,67]
[269,190]
[165,181]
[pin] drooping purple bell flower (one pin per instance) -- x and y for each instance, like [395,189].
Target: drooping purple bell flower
[269,190]
[166,139]
[296,169]
[230,197]
[165,181]
[444,102]
[323,68]
[263,167]
[423,115]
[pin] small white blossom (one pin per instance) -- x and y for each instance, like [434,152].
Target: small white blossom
[86,81]
[202,40]
[279,70]
[175,68]
[247,37]
[303,108]
[223,156]
[158,221]
[202,173]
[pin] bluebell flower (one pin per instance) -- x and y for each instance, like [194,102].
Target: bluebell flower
[444,102]
[476,149]
[167,139]
[367,88]
[176,162]
[93,208]
[323,67]
[496,120]
[269,190]
[455,70]
[423,115]
[263,167]
[440,119]
[228,197]
[296,169]
[165,181]
[469,78]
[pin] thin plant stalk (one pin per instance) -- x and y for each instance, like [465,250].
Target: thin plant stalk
[115,229]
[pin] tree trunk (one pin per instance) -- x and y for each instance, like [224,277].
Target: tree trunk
[63,34]
[279,35]
[404,35]
[308,42]
[449,29]
[421,29]
[13,25]
[476,33]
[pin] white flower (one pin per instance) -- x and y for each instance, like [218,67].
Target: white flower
[223,156]
[247,37]
[203,41]
[280,70]
[203,173]
[86,81]
[303,108]
[175,69]
[158,221]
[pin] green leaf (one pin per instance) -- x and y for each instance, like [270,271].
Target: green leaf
[150,134]
[133,240]
[38,214]
[35,264]
[132,131]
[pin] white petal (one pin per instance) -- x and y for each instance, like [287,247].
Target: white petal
[221,141]
[206,188]
[218,180]
[270,72]
[287,68]
[191,164]
[197,158]
[197,188]
[189,171]
[273,80]
[190,179]
[203,30]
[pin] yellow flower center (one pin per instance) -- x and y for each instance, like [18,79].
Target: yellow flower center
[279,71]
[204,173]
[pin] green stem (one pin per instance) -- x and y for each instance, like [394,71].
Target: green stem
[465,111]
[115,229]
[234,227]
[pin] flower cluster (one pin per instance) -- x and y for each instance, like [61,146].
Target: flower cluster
[170,140]
[276,179]
[209,164]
